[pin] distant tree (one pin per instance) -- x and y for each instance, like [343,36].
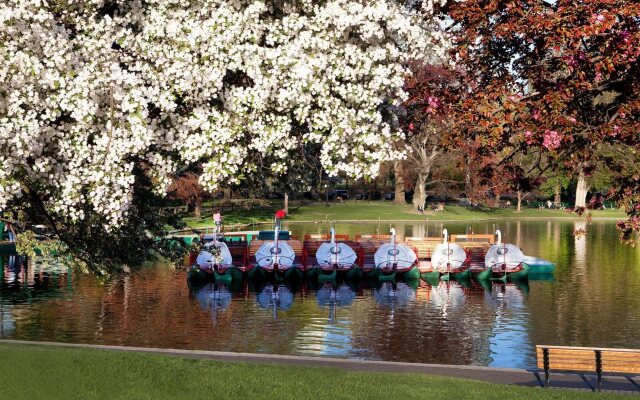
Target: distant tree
[188,189]
[434,92]
[553,185]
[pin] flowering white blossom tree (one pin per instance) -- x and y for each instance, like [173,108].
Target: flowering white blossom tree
[92,89]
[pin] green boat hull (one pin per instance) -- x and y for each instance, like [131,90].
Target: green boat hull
[372,274]
[290,274]
[312,274]
[534,276]
[486,285]
[412,275]
[542,269]
[222,278]
[382,277]
[432,278]
[354,273]
[461,276]
[483,275]
[231,274]
[257,273]
[293,273]
[521,275]
[327,277]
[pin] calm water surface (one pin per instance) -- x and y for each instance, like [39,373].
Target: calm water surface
[593,300]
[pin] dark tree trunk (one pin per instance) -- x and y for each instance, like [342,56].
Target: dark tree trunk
[198,207]
[398,169]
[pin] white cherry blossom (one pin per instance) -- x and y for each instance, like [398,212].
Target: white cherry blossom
[89,89]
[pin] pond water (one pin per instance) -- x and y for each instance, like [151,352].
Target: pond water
[592,300]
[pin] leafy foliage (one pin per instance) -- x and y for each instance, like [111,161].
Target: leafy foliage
[556,80]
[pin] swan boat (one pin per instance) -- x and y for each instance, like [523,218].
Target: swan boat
[214,261]
[276,259]
[395,260]
[448,261]
[506,261]
[335,258]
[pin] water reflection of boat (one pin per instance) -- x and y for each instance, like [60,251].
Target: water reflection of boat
[511,328]
[276,297]
[333,297]
[446,294]
[329,295]
[391,294]
[520,285]
[7,238]
[213,296]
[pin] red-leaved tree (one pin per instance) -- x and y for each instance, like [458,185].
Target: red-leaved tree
[557,80]
[188,189]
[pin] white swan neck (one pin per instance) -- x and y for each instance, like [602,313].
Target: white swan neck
[499,235]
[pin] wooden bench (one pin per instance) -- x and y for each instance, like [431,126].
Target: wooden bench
[588,359]
[324,237]
[424,246]
[473,240]
[363,238]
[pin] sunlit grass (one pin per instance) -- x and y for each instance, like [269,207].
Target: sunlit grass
[38,372]
[374,210]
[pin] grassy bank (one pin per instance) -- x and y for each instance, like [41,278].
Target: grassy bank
[364,210]
[35,372]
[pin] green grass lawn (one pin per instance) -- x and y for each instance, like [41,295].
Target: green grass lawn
[365,210]
[38,372]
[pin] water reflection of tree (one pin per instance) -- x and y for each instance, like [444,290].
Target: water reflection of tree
[446,324]
[594,301]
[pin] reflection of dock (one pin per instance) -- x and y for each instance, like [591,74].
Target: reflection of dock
[25,282]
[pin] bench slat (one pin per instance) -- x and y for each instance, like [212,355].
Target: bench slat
[621,370]
[622,356]
[573,367]
[541,346]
